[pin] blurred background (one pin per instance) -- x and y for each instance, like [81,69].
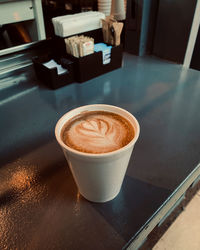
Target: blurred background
[157,27]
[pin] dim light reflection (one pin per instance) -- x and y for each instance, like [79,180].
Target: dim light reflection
[14,97]
[6,224]
[177,104]
[78,197]
[21,179]
[77,204]
[3,225]
[107,88]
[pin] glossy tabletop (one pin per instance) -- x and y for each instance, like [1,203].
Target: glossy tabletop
[40,206]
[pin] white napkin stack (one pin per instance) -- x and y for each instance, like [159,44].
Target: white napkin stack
[77,23]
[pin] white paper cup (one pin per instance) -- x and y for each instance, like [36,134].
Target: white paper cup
[98,177]
[104,1]
[104,6]
[118,10]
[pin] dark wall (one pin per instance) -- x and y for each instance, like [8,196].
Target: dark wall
[173,28]
[133,25]
[136,34]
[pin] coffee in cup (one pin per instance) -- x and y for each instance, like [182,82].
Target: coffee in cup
[97,132]
[97,141]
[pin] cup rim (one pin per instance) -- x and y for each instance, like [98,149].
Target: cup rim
[58,129]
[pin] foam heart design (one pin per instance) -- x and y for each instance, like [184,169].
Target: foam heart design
[98,128]
[98,133]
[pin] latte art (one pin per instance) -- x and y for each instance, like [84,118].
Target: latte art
[97,132]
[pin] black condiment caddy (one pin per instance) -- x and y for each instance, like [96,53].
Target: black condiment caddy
[78,69]
[50,76]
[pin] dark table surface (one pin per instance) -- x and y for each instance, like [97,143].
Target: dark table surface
[40,206]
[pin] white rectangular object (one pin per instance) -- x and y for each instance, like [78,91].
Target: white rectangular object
[16,11]
[78,23]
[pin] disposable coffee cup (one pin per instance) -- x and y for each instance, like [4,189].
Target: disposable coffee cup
[99,177]
[118,9]
[104,6]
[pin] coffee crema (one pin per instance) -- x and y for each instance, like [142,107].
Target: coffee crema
[97,132]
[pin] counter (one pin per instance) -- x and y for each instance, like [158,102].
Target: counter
[40,206]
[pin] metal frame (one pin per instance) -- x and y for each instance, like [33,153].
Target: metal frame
[38,14]
[39,21]
[19,48]
[135,243]
[193,35]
